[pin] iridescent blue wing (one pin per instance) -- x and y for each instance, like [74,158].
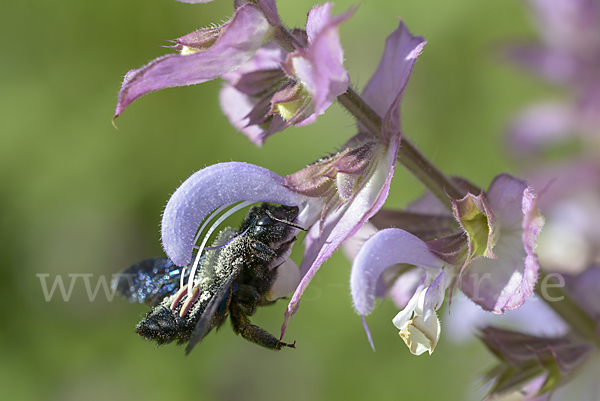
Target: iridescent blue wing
[149,281]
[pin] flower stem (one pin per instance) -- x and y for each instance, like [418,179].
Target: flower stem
[548,289]
[410,157]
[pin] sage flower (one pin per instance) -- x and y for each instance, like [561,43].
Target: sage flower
[492,260]
[336,195]
[276,88]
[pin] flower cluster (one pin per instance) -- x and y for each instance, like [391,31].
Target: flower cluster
[276,78]
[568,56]
[456,238]
[550,350]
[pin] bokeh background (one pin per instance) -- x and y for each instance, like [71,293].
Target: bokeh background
[79,197]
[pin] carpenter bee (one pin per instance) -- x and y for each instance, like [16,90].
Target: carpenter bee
[235,276]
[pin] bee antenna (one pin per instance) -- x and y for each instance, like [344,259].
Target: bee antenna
[289,223]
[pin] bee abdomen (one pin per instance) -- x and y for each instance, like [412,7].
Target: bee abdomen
[164,326]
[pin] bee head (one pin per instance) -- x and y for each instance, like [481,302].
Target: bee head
[273,225]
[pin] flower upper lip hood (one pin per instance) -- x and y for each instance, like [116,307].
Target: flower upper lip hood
[217,185]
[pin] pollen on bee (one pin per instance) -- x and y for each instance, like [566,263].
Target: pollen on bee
[205,296]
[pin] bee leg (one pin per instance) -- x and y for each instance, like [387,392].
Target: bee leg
[242,326]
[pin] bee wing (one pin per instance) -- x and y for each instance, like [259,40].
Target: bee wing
[205,324]
[148,281]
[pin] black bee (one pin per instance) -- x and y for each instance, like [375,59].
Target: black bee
[234,278]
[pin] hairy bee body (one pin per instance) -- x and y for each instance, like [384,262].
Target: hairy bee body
[233,279]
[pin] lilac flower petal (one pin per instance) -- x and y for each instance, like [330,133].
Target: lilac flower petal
[567,24]
[239,41]
[269,9]
[532,225]
[319,19]
[354,243]
[539,126]
[555,66]
[345,223]
[257,82]
[404,287]
[320,67]
[387,84]
[268,57]
[236,107]
[436,292]
[584,289]
[495,284]
[466,317]
[210,188]
[505,195]
[384,249]
[503,284]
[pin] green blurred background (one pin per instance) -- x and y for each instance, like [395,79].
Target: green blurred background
[79,197]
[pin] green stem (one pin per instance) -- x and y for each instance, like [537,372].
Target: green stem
[551,291]
[410,157]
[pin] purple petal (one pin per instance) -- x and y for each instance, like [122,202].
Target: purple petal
[584,289]
[268,57]
[535,317]
[555,66]
[505,195]
[210,188]
[503,284]
[386,87]
[239,41]
[238,108]
[319,19]
[532,225]
[436,292]
[320,67]
[258,82]
[568,24]
[345,223]
[269,9]
[539,126]
[354,243]
[384,249]
[404,287]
